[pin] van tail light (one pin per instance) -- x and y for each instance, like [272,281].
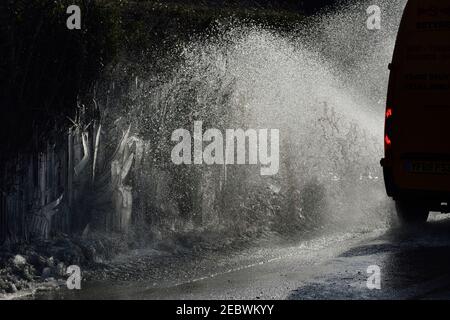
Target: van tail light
[388,129]
[387,140]
[388,113]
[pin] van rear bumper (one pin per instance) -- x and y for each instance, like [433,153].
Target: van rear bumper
[434,199]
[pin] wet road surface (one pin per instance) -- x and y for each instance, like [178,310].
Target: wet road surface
[414,264]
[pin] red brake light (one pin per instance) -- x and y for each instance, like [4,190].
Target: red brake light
[388,113]
[388,128]
[387,141]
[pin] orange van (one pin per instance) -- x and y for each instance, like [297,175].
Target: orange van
[416,165]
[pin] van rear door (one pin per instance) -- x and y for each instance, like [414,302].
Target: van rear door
[418,132]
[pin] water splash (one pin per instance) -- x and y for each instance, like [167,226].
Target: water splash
[322,85]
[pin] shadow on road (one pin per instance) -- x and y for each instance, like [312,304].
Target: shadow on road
[414,262]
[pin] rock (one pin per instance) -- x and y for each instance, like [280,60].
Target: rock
[19,261]
[46,273]
[50,262]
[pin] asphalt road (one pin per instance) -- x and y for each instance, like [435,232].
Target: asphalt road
[414,264]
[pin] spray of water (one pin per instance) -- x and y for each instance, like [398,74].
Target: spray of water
[323,86]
